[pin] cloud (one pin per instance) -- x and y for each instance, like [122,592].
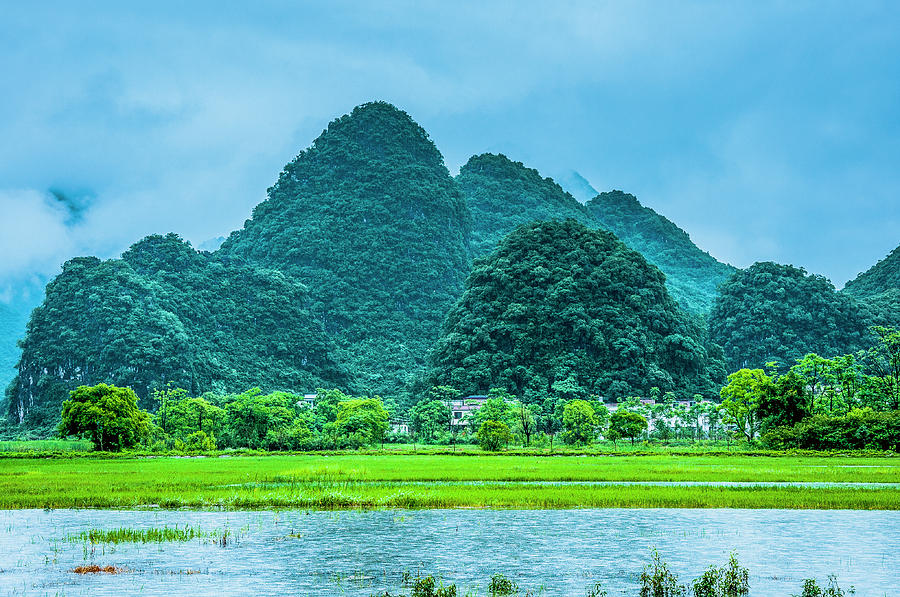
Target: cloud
[766,131]
[33,232]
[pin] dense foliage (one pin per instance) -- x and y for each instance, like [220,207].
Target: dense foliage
[502,195]
[559,308]
[771,312]
[692,275]
[162,314]
[107,415]
[857,430]
[370,220]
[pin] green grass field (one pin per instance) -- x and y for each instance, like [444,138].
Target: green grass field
[46,445]
[441,481]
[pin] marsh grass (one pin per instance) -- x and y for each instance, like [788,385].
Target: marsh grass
[151,535]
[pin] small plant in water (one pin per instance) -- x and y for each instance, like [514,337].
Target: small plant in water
[658,581]
[500,585]
[129,535]
[596,591]
[812,589]
[731,580]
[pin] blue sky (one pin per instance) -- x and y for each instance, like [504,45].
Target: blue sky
[768,131]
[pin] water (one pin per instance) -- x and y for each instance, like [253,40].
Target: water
[361,553]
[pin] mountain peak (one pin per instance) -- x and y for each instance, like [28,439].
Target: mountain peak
[576,185]
[380,130]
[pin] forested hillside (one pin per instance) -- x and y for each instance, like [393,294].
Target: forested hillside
[503,194]
[165,313]
[558,306]
[370,220]
[879,288]
[692,275]
[773,312]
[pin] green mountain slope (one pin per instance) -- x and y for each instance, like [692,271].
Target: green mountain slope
[879,289]
[165,313]
[370,220]
[881,277]
[558,301]
[692,275]
[503,194]
[773,312]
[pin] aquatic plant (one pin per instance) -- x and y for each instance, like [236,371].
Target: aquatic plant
[152,535]
[731,580]
[812,589]
[501,586]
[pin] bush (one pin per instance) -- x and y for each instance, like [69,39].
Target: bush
[200,442]
[858,430]
[731,580]
[501,586]
[493,435]
[658,581]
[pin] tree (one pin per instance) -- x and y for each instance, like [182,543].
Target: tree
[429,418]
[500,406]
[786,402]
[580,422]
[527,417]
[364,418]
[551,418]
[493,435]
[741,398]
[885,361]
[107,415]
[624,423]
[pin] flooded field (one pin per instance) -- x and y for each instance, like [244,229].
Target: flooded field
[557,552]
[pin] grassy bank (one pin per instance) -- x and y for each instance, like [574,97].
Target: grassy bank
[437,481]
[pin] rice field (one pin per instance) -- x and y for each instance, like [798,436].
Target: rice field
[323,482]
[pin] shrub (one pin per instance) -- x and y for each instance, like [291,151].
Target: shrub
[857,430]
[493,435]
[500,586]
[658,581]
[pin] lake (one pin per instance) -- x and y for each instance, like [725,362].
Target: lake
[561,552]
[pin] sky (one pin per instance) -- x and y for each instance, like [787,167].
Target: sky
[767,130]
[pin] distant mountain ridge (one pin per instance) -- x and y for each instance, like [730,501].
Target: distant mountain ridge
[692,275]
[879,289]
[343,276]
[503,194]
